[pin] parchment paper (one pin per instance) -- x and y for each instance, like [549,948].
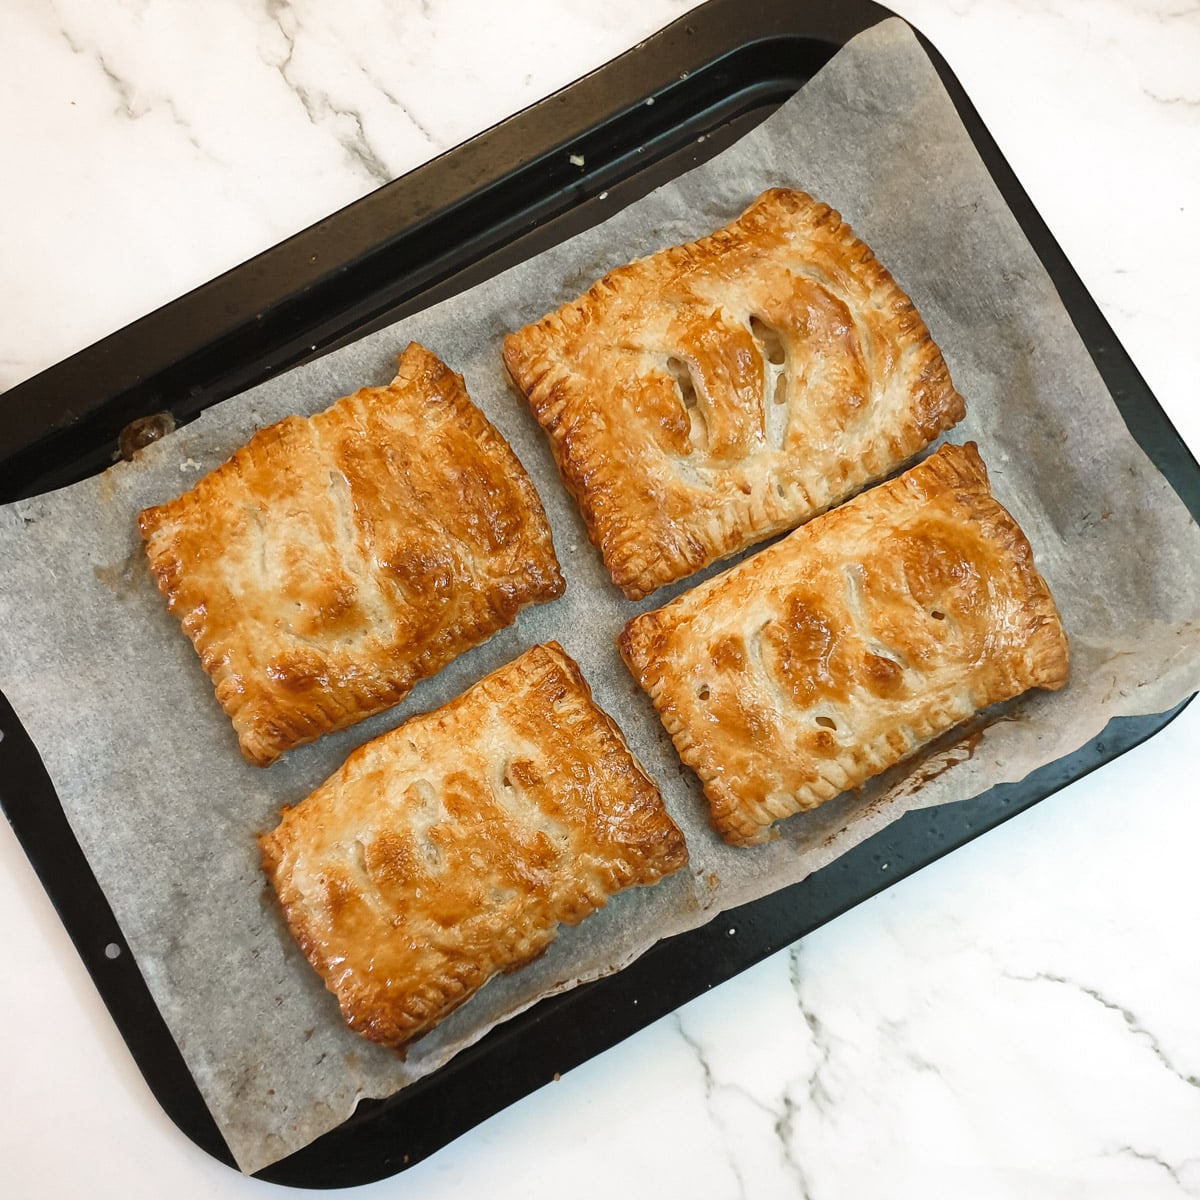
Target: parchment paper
[146,764]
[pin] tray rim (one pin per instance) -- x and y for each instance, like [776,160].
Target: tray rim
[109,378]
[1165,454]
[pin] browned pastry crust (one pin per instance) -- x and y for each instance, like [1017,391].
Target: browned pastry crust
[453,847]
[335,560]
[710,395]
[840,650]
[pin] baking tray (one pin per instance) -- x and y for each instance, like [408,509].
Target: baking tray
[484,206]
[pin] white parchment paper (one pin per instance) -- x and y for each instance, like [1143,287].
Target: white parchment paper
[146,764]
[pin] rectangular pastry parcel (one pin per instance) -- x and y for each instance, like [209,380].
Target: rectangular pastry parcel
[843,648]
[336,560]
[452,848]
[711,395]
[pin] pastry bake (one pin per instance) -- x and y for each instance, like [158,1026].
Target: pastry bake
[704,398]
[452,848]
[838,651]
[335,560]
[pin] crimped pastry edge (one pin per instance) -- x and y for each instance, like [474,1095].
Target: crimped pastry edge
[329,712]
[428,1005]
[536,360]
[749,821]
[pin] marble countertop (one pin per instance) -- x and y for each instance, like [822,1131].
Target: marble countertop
[1019,1019]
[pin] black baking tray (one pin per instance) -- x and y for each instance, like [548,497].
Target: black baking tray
[670,103]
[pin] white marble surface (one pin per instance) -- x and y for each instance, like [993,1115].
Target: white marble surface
[1019,1020]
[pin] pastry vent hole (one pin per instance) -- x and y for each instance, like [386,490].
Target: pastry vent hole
[827,723]
[703,692]
[938,615]
[697,424]
[505,787]
[682,375]
[424,807]
[769,339]
[775,383]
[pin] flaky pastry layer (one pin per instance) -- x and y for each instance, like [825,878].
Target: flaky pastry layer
[452,848]
[713,394]
[335,560]
[843,648]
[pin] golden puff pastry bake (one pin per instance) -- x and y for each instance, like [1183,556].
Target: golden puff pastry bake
[704,398]
[452,848]
[843,648]
[335,560]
